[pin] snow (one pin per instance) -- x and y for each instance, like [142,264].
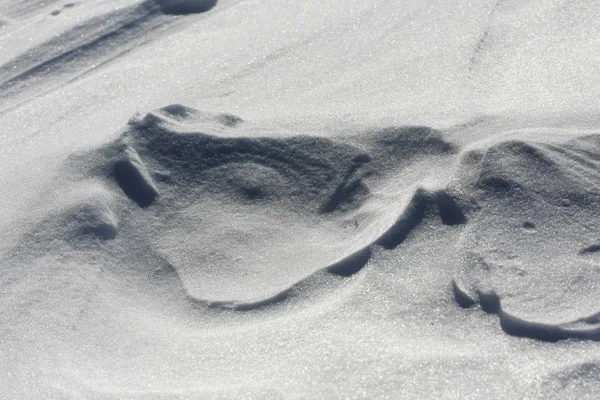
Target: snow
[299,199]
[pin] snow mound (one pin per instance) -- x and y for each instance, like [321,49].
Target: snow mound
[245,220]
[531,239]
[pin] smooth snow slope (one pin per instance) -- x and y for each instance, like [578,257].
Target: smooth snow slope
[282,199]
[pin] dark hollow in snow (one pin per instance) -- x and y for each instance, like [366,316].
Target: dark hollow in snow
[595,248]
[423,204]
[177,110]
[490,303]
[83,224]
[463,299]
[184,7]
[529,226]
[133,183]
[351,264]
[104,231]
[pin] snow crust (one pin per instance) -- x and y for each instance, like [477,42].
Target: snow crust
[284,199]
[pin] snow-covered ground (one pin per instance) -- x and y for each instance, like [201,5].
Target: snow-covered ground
[299,199]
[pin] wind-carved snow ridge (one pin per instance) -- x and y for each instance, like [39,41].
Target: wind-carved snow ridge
[247,222]
[244,221]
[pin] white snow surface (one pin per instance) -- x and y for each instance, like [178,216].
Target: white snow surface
[283,199]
